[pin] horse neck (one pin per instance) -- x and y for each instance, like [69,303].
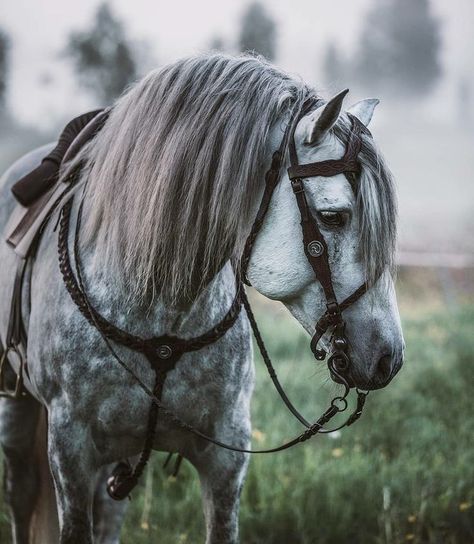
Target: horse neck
[155,318]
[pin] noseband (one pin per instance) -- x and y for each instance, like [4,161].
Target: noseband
[315,246]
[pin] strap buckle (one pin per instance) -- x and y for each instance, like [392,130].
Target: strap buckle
[17,390]
[297,185]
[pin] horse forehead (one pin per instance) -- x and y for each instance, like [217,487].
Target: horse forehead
[333,192]
[329,149]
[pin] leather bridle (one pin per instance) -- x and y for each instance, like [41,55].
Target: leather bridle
[315,246]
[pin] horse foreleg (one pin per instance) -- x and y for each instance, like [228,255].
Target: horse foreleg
[222,475]
[74,471]
[18,421]
[108,514]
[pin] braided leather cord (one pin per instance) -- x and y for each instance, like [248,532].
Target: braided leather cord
[134,342]
[271,180]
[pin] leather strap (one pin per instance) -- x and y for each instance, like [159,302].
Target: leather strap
[15,332]
[315,246]
[348,164]
[327,168]
[36,183]
[159,350]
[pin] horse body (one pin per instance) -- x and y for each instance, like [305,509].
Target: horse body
[97,414]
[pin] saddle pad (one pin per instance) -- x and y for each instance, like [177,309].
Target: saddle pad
[25,223]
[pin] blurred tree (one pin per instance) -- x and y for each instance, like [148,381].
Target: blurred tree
[4,46]
[258,31]
[333,64]
[104,58]
[399,48]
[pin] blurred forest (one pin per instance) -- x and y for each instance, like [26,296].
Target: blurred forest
[406,473]
[398,55]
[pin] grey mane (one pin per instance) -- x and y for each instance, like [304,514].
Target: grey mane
[194,136]
[173,176]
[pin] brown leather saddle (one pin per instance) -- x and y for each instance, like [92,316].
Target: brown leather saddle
[38,194]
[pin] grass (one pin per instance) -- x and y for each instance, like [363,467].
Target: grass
[403,473]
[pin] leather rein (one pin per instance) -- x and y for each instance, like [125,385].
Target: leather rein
[163,352]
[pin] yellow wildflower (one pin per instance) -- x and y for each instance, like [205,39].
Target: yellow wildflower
[410,536]
[258,435]
[337,452]
[411,518]
[464,506]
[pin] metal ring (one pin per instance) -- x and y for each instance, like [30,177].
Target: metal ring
[164,351]
[340,407]
[339,361]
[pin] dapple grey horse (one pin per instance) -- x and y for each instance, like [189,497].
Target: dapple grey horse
[174,180]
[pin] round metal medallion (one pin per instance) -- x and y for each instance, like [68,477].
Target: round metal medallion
[315,248]
[164,352]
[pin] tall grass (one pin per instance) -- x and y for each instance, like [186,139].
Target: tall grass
[403,473]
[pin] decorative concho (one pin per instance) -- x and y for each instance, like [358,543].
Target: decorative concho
[315,248]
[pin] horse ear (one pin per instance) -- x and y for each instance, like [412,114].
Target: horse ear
[324,118]
[364,110]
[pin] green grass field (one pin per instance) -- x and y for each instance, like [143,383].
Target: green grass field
[403,473]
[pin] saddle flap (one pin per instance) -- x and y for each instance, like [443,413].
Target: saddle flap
[40,190]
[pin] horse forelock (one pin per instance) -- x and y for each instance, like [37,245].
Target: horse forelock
[172,177]
[376,206]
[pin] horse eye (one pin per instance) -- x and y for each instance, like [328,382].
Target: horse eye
[332,219]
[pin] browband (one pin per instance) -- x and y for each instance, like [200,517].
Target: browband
[349,163]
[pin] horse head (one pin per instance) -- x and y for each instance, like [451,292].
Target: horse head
[356,216]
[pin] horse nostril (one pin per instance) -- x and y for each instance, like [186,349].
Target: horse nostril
[384,369]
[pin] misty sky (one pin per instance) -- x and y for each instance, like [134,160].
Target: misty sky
[42,86]
[429,142]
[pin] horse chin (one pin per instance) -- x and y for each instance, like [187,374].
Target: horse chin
[351,379]
[361,384]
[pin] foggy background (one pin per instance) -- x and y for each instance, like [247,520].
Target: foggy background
[59,59]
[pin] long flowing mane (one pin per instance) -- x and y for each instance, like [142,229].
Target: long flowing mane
[173,176]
